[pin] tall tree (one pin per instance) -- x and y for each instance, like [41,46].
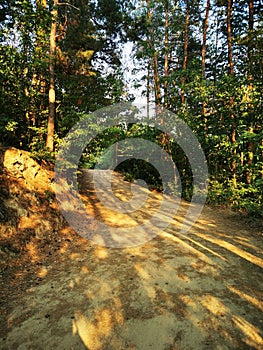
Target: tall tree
[52,89]
[203,54]
[229,38]
[166,54]
[231,75]
[186,43]
[250,41]
[250,80]
[154,54]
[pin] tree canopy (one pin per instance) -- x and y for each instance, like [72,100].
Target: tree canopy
[201,60]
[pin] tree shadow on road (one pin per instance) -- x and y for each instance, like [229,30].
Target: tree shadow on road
[199,290]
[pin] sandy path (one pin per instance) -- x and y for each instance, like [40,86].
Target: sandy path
[202,290]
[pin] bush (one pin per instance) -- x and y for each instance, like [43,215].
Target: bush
[248,198]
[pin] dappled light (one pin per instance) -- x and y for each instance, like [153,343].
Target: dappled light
[234,249]
[251,299]
[203,287]
[214,305]
[116,218]
[95,334]
[250,333]
[42,272]
[187,238]
[101,252]
[32,251]
[131,175]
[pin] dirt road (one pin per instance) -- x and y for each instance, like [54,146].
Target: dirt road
[200,290]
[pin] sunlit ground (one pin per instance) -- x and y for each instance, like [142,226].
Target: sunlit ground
[199,290]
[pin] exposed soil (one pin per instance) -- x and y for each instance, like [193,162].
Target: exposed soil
[200,290]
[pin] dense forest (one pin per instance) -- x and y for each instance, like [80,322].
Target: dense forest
[202,60]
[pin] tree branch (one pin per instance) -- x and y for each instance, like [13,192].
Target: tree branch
[67,4]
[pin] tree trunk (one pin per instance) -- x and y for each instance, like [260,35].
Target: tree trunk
[250,145]
[216,49]
[52,90]
[250,156]
[156,78]
[203,65]
[231,102]
[229,38]
[166,54]
[148,90]
[186,43]
[39,81]
[250,42]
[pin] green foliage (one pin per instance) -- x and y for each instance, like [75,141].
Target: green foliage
[243,197]
[38,146]
[224,111]
[134,169]
[82,82]
[7,128]
[93,154]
